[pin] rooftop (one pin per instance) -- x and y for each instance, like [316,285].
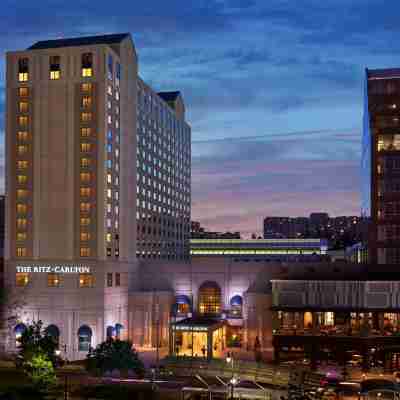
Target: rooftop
[79,41]
[384,73]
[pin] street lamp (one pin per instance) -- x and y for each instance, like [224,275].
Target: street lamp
[233,381]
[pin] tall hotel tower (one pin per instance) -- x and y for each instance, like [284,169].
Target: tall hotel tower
[97,173]
[381,164]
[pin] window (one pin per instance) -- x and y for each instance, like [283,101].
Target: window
[85,207]
[86,117]
[21,279]
[110,66]
[87,65]
[85,147]
[21,179]
[53,280]
[85,236]
[23,106]
[84,338]
[22,149]
[109,193]
[21,251]
[109,279]
[21,208]
[209,298]
[85,252]
[108,252]
[109,178]
[21,223]
[109,90]
[85,162]
[22,136]
[108,237]
[55,69]
[21,236]
[23,121]
[118,74]
[117,278]
[86,101]
[86,280]
[86,132]
[85,177]
[86,87]
[23,92]
[22,194]
[23,69]
[85,192]
[85,221]
[22,164]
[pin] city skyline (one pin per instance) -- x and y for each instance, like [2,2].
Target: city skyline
[273,120]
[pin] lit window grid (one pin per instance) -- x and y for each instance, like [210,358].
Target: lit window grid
[23,179]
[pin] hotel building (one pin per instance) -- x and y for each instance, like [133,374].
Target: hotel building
[381,164]
[97,172]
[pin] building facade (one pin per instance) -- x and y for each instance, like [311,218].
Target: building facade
[381,164]
[78,122]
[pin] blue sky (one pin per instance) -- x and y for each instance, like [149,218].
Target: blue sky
[273,90]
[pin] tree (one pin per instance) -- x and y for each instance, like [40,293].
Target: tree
[114,355]
[35,341]
[40,371]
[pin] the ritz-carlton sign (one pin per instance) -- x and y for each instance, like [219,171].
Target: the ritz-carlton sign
[56,269]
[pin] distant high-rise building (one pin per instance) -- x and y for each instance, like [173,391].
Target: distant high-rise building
[381,164]
[341,231]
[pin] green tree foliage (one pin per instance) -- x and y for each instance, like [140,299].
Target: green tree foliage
[40,371]
[35,341]
[114,355]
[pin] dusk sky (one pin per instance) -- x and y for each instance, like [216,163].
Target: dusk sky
[273,90]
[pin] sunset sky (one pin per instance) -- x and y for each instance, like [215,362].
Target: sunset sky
[273,90]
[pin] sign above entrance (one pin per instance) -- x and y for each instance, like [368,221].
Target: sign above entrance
[56,269]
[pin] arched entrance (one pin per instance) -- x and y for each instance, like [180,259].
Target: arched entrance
[209,298]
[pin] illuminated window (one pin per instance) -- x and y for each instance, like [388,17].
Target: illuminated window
[23,69]
[108,207]
[85,177]
[85,162]
[85,192]
[23,106]
[22,136]
[21,236]
[85,147]
[109,178]
[109,119]
[108,252]
[109,90]
[23,92]
[21,223]
[209,298]
[85,251]
[22,164]
[86,87]
[22,149]
[85,221]
[85,236]
[85,207]
[109,193]
[21,208]
[86,132]
[22,194]
[21,179]
[108,237]
[53,280]
[116,95]
[55,69]
[86,117]
[21,279]
[23,121]
[87,65]
[21,251]
[108,222]
[86,280]
[86,101]
[109,279]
